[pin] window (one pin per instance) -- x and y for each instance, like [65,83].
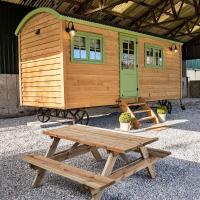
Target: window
[87,48]
[153,56]
[80,48]
[128,54]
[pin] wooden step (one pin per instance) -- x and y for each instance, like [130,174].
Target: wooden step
[140,111]
[146,118]
[136,104]
[73,173]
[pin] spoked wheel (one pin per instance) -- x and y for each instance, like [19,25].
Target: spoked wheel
[43,114]
[80,116]
[167,104]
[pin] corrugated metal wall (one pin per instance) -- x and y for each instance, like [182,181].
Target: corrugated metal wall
[191,50]
[193,64]
[10,16]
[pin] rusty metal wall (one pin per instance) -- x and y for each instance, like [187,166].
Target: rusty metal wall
[10,16]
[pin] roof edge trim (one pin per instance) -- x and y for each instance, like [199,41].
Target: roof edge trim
[85,22]
[32,14]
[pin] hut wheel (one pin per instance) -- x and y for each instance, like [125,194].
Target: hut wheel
[43,114]
[80,116]
[167,104]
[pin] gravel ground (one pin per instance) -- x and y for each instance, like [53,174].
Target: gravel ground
[178,176]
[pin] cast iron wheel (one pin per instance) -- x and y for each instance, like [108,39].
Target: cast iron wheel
[167,104]
[81,117]
[43,115]
[182,107]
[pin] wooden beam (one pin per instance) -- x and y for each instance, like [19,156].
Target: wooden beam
[70,153]
[162,10]
[150,168]
[173,9]
[41,172]
[83,6]
[132,18]
[132,168]
[104,7]
[96,155]
[195,23]
[180,26]
[82,176]
[112,157]
[181,6]
[188,34]
[196,6]
[169,21]
[151,6]
[147,13]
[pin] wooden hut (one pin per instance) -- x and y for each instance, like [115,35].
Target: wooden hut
[98,66]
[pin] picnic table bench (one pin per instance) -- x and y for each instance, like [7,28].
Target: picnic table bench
[90,139]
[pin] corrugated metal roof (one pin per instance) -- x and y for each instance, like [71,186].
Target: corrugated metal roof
[177,19]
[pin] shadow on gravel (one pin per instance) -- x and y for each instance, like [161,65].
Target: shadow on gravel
[19,121]
[110,121]
[176,179]
[184,120]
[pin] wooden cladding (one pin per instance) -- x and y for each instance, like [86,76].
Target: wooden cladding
[160,83]
[90,84]
[50,79]
[41,63]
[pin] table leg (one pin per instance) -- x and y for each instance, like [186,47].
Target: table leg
[96,155]
[151,168]
[41,172]
[108,168]
[125,158]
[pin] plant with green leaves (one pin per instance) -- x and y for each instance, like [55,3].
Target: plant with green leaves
[161,109]
[125,117]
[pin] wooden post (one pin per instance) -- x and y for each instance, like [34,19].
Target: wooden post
[108,168]
[96,155]
[125,158]
[151,168]
[41,172]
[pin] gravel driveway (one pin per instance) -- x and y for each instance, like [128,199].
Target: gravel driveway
[178,176]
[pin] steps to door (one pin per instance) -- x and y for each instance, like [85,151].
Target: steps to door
[132,105]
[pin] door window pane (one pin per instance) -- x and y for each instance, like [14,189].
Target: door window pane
[127,54]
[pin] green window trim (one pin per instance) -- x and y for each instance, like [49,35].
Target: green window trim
[160,55]
[89,38]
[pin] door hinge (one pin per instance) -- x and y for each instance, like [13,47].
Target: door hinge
[137,65]
[137,88]
[136,42]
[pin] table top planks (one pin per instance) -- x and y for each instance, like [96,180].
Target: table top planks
[101,138]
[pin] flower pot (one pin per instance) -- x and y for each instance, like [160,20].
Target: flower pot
[162,117]
[125,126]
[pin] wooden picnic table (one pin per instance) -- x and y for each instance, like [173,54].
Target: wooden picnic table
[90,139]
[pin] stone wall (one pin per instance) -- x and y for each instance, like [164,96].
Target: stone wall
[9,97]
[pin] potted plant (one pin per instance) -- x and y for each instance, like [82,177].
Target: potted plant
[125,121]
[162,113]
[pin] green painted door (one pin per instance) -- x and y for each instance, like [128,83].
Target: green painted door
[128,66]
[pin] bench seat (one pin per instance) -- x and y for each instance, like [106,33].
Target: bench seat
[81,176]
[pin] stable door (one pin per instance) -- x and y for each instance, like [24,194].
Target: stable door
[128,67]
